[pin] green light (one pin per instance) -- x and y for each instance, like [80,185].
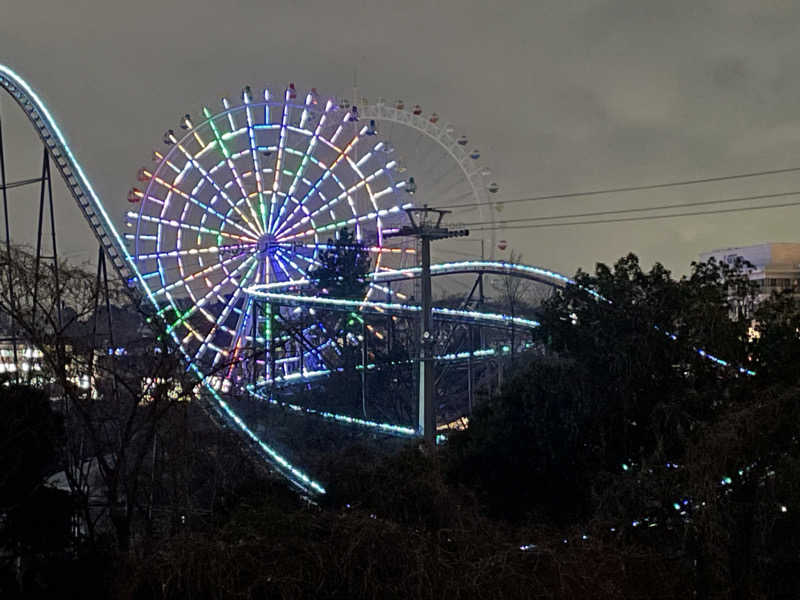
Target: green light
[217,135]
[180,319]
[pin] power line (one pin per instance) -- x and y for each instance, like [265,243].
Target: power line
[633,188]
[635,210]
[643,218]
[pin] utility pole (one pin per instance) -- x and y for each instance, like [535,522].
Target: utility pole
[426,225]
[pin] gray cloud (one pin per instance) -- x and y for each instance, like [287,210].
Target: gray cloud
[559,96]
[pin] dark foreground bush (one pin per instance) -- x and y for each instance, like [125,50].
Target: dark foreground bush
[264,553]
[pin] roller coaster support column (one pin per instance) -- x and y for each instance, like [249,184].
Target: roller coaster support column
[107,342]
[3,186]
[426,225]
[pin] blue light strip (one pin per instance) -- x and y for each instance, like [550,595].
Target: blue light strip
[311,376]
[499,267]
[371,307]
[339,418]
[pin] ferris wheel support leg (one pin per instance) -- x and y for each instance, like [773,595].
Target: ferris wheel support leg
[254,333]
[364,361]
[389,322]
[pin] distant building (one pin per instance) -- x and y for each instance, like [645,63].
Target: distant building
[776,265]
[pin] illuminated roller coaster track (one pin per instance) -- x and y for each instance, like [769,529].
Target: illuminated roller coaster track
[276,293]
[126,266]
[273,292]
[112,243]
[132,267]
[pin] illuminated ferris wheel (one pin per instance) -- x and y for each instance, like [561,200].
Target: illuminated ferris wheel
[252,194]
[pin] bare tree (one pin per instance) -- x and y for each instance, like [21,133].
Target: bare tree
[114,401]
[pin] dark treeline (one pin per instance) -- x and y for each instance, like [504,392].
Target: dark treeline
[624,464]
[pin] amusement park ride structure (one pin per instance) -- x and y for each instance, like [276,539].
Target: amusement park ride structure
[426,230]
[235,215]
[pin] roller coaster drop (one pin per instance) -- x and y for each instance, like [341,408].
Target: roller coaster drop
[236,213]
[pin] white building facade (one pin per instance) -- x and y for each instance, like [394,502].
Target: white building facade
[775,265]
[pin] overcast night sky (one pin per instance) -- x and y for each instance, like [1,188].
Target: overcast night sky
[559,96]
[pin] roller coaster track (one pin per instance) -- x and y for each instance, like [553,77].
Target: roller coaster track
[110,240]
[484,267]
[539,274]
[78,184]
[123,263]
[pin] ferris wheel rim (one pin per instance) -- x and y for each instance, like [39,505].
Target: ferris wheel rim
[437,131]
[289,231]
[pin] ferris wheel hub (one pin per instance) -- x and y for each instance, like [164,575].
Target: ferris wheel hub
[267,244]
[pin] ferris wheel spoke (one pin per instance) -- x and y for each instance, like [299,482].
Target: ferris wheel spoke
[194,251]
[289,257]
[371,196]
[224,315]
[322,178]
[277,260]
[279,159]
[223,150]
[241,333]
[370,249]
[326,206]
[338,225]
[192,199]
[256,160]
[165,161]
[177,225]
[210,180]
[306,158]
[184,279]
[309,149]
[301,206]
[198,304]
